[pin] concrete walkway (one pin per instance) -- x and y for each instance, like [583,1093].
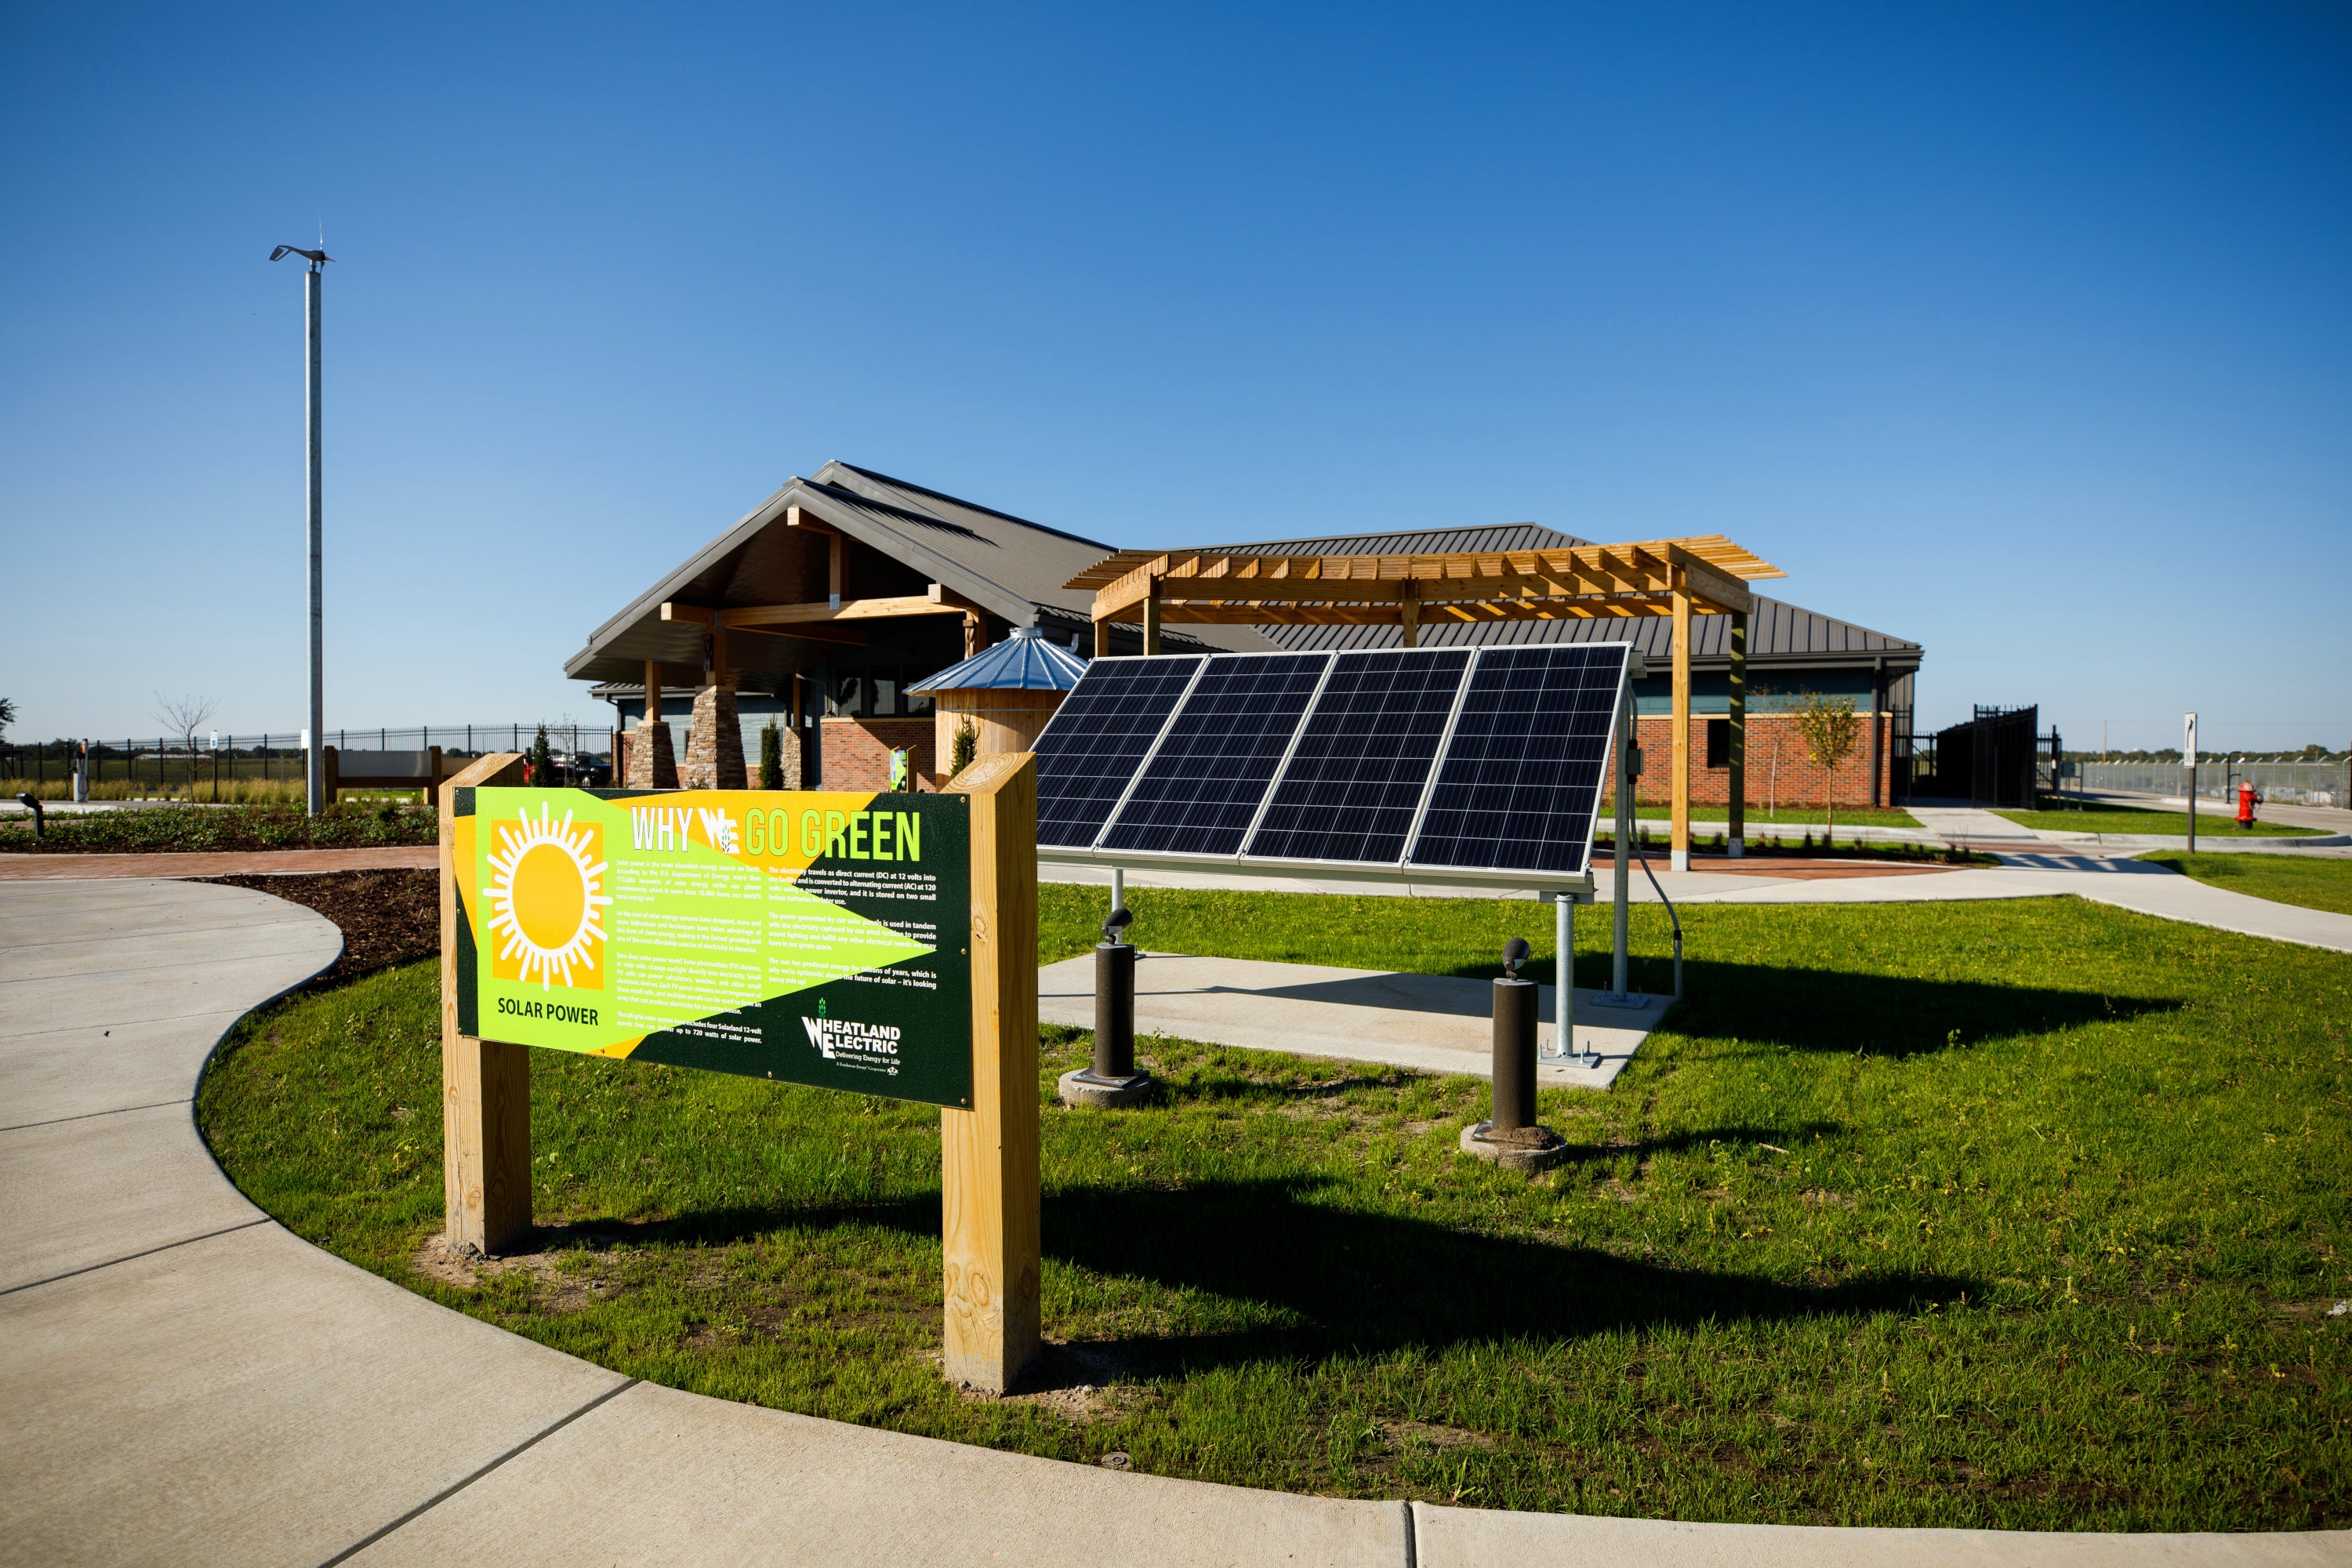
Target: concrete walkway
[1431,1023]
[186,1382]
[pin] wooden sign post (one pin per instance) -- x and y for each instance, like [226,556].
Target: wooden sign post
[988,1132]
[988,1155]
[484,1084]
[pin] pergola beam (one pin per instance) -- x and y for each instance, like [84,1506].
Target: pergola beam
[1701,576]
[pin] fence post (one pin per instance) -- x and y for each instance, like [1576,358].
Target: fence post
[484,1084]
[988,1155]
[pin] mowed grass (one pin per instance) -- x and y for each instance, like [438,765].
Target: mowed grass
[2321,882]
[1788,816]
[2219,822]
[2027,1215]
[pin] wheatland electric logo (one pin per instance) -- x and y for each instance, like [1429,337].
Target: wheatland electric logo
[874,1047]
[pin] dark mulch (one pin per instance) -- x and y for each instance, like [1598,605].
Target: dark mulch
[386,917]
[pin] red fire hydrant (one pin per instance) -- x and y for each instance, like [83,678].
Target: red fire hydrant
[2245,803]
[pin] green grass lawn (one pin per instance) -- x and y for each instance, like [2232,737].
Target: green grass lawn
[2026,1215]
[2321,882]
[2094,818]
[1797,817]
[350,825]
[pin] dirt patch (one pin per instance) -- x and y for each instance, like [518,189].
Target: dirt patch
[560,1290]
[386,917]
[1429,1433]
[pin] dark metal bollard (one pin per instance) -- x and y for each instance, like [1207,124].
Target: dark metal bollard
[1110,1080]
[1515,1055]
[1114,1010]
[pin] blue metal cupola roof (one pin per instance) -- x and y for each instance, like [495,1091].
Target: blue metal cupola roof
[1025,661]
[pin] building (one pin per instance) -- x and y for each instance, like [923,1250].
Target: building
[824,604]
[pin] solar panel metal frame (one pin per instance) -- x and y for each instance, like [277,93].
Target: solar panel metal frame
[1403,870]
[1106,851]
[1412,828]
[1200,664]
[1629,661]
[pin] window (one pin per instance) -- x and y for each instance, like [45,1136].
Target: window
[1718,743]
[849,696]
[886,696]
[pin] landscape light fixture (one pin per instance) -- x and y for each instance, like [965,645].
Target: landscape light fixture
[313,739]
[1116,926]
[1514,952]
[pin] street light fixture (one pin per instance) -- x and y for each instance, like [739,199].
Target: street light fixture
[313,739]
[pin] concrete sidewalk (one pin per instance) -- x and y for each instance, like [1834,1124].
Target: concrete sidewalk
[186,1382]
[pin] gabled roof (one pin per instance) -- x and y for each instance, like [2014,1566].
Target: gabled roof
[1014,569]
[1009,566]
[1025,661]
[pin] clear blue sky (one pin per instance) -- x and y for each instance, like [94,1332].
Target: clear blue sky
[2025,332]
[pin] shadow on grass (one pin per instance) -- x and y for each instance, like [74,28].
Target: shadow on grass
[1837,1010]
[1343,1282]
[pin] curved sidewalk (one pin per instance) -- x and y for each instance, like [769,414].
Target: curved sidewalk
[186,1382]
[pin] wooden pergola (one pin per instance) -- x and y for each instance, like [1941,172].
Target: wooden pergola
[1706,575]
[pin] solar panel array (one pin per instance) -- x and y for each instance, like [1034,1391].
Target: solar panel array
[1490,759]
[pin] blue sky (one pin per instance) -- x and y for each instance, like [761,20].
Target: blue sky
[2025,332]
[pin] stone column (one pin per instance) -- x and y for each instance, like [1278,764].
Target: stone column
[714,744]
[653,762]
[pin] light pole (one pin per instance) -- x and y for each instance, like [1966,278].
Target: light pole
[314,738]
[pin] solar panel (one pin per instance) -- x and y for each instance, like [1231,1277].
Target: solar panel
[1520,778]
[1361,765]
[1090,750]
[1201,790]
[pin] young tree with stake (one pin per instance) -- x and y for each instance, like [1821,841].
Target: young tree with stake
[1829,727]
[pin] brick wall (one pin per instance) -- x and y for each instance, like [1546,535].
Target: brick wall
[857,752]
[1801,783]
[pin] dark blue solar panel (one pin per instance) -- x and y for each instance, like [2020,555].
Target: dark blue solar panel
[1521,777]
[1362,763]
[1087,755]
[1201,789]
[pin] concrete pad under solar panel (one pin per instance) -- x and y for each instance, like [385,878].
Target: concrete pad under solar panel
[1430,1023]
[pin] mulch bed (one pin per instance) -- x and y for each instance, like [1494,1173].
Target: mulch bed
[386,917]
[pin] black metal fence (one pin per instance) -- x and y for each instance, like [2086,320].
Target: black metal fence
[171,764]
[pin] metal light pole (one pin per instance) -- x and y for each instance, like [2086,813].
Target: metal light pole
[314,757]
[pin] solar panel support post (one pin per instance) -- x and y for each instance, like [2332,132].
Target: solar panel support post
[1117,890]
[1735,837]
[1679,849]
[1622,891]
[1151,620]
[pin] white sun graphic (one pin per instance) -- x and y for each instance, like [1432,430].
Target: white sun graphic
[546,897]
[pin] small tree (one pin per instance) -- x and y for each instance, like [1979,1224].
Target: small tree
[1829,727]
[542,763]
[772,756]
[966,747]
[7,716]
[183,717]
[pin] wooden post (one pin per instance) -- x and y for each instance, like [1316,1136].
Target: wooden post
[975,633]
[988,1155]
[1877,682]
[718,652]
[1102,639]
[833,567]
[1152,619]
[1409,615]
[1679,855]
[484,1084]
[1737,757]
[653,695]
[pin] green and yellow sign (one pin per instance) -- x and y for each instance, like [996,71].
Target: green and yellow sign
[819,938]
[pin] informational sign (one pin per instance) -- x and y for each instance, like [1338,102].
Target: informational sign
[812,937]
[2189,738]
